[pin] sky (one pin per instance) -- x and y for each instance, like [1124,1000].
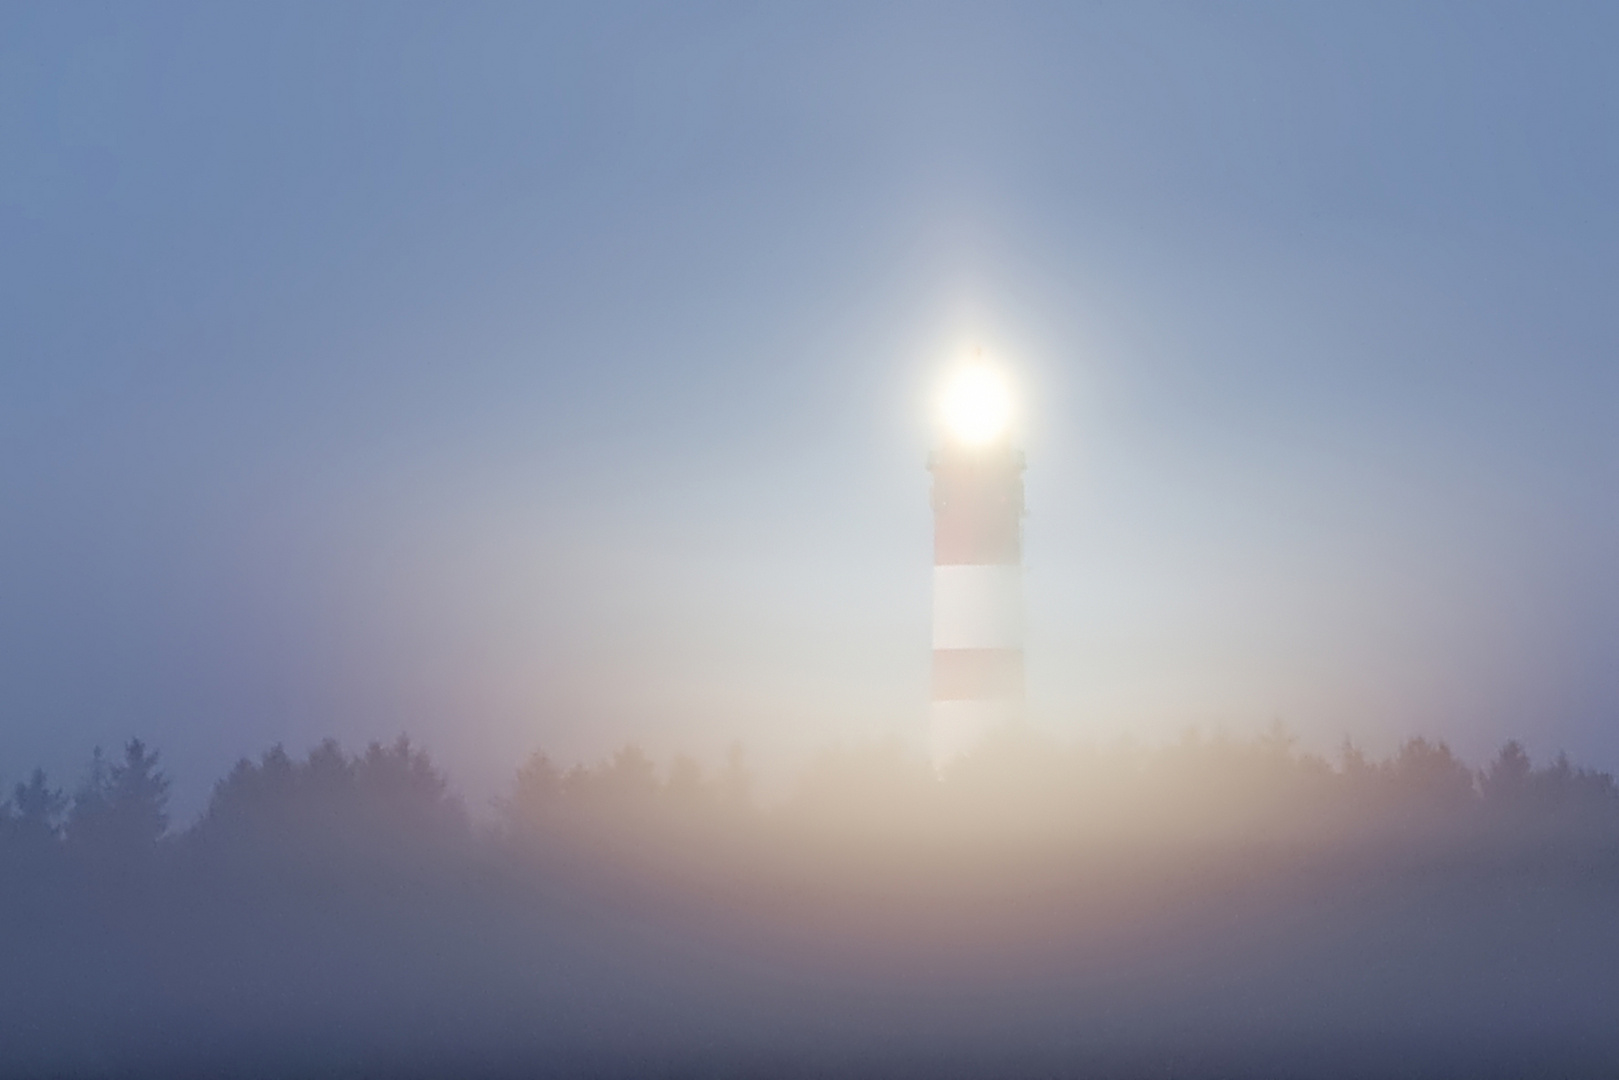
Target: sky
[546,376]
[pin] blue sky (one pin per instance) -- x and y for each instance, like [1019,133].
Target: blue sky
[529,376]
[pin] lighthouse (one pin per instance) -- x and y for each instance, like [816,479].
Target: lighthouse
[977,566]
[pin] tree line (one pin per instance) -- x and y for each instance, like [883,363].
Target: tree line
[393,793]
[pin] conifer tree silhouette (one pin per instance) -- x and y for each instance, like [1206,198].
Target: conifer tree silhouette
[1506,780]
[121,808]
[36,818]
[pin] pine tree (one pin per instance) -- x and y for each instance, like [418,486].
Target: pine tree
[121,808]
[37,808]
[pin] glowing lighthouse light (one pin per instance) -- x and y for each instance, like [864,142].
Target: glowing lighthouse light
[977,405]
[977,566]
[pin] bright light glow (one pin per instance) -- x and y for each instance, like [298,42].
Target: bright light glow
[977,405]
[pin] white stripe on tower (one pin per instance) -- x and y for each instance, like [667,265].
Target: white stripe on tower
[978,606]
[977,596]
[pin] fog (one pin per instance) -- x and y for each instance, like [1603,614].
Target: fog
[1202,907]
[563,376]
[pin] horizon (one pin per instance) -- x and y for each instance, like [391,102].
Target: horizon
[780,783]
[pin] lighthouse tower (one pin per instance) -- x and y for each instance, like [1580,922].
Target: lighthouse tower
[977,567]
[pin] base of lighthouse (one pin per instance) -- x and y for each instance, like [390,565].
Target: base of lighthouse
[957,728]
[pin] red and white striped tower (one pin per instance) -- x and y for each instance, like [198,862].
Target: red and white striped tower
[977,567]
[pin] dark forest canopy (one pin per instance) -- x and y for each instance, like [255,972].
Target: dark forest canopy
[1221,903]
[1020,782]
